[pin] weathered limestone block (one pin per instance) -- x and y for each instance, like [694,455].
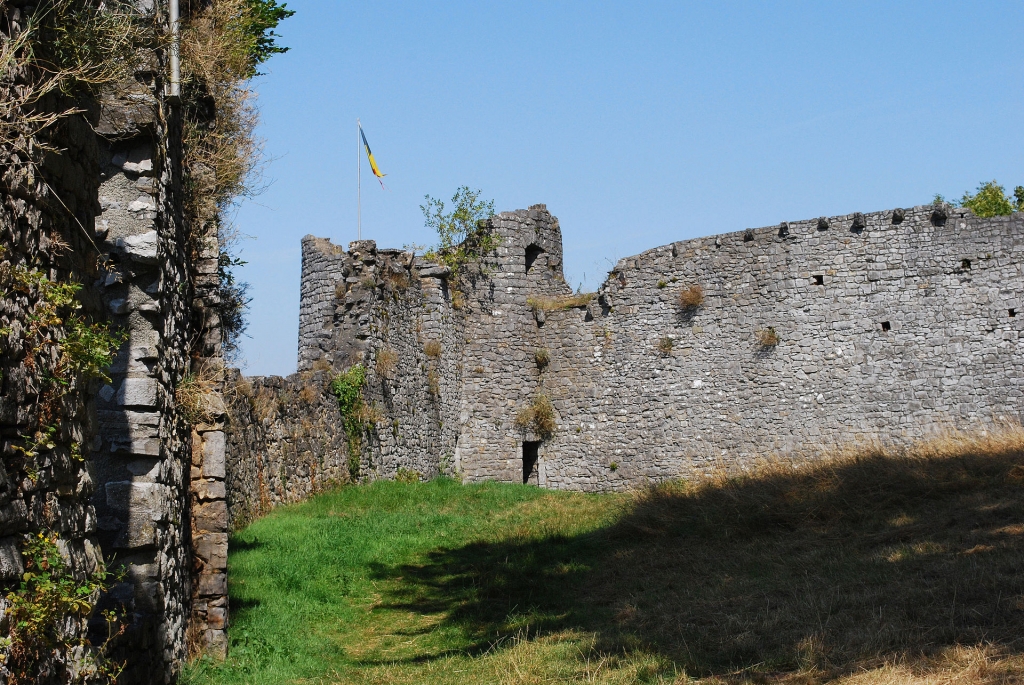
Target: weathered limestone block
[213,454]
[138,392]
[143,506]
[210,516]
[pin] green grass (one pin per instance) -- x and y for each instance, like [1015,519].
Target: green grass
[318,592]
[867,568]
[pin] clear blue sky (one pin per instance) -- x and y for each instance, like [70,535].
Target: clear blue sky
[636,123]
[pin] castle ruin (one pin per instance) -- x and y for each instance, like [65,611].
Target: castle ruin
[809,334]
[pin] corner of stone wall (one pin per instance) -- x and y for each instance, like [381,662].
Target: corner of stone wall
[208,623]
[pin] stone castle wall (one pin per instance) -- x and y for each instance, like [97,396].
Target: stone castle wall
[890,325]
[103,209]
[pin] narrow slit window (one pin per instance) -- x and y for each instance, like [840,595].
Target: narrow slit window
[1013,313]
[886,326]
[819,280]
[965,264]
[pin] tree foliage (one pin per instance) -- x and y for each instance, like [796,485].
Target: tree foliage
[263,18]
[991,200]
[462,235]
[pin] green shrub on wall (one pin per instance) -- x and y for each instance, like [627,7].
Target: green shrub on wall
[48,595]
[347,386]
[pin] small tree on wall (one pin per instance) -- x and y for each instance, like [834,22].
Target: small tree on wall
[461,234]
[991,200]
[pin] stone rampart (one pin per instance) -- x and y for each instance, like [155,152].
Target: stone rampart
[882,326]
[127,477]
[286,441]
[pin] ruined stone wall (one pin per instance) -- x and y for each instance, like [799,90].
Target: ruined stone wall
[889,325]
[103,208]
[47,201]
[285,442]
[287,438]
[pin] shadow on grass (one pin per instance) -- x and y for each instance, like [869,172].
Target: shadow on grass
[828,569]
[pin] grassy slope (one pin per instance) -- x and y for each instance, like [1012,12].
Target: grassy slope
[866,569]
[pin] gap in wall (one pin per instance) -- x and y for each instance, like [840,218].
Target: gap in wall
[531,449]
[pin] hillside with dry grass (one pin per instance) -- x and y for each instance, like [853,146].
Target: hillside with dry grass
[869,566]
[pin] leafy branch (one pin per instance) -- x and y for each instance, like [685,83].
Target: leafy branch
[463,235]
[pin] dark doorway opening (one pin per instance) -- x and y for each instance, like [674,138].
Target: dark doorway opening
[530,454]
[532,252]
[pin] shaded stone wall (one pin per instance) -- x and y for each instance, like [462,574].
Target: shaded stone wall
[142,444]
[47,207]
[286,442]
[103,209]
[889,325]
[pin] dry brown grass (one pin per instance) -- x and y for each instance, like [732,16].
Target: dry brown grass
[66,47]
[322,365]
[309,394]
[541,357]
[198,394]
[432,349]
[767,337]
[433,383]
[692,297]
[554,303]
[398,280]
[665,346]
[264,404]
[870,565]
[387,362]
[538,417]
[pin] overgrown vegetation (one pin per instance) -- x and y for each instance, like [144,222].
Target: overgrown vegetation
[61,351]
[541,358]
[65,47]
[463,236]
[692,297]
[38,613]
[665,346]
[555,303]
[63,348]
[864,567]
[538,417]
[990,199]
[223,44]
[357,416]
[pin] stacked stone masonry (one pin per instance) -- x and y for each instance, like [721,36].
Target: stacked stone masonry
[889,325]
[111,189]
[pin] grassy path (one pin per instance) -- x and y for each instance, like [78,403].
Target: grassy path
[318,593]
[865,570]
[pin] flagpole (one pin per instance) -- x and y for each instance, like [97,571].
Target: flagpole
[359,185]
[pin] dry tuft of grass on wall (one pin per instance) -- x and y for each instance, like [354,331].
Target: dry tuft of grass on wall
[538,417]
[387,362]
[198,394]
[541,357]
[692,297]
[767,337]
[554,303]
[432,349]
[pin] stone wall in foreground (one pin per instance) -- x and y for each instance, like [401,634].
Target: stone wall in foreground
[889,325]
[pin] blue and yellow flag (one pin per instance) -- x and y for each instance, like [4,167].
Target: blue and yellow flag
[369,156]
